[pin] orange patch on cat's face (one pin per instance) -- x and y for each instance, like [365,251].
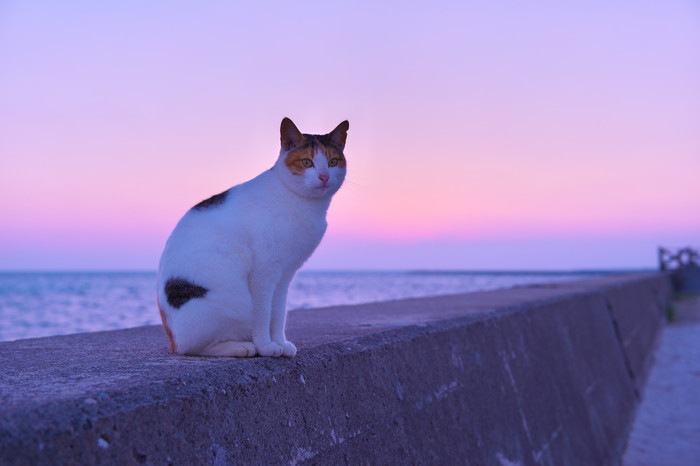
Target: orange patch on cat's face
[294,160]
[168,332]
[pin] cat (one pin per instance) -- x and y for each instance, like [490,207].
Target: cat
[226,267]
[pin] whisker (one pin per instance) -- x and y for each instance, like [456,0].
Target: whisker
[352,186]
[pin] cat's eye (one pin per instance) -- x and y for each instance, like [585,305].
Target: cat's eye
[333,162]
[307,163]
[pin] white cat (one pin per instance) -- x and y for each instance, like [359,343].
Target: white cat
[226,268]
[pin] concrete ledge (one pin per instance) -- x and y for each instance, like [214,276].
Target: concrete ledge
[534,375]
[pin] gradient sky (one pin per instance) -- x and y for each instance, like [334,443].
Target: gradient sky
[483,135]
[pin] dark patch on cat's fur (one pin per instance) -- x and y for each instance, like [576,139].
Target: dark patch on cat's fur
[213,201]
[178,291]
[321,139]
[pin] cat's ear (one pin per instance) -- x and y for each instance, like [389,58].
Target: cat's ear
[290,136]
[340,134]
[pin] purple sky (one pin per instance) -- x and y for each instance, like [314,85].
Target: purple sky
[483,135]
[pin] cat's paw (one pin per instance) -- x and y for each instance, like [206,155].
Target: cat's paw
[270,349]
[288,349]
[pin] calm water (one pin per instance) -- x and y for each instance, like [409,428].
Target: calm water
[44,304]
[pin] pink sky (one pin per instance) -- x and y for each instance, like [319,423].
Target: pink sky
[484,135]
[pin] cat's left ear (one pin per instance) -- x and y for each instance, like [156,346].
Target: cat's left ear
[340,134]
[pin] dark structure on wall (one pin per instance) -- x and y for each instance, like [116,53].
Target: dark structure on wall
[684,264]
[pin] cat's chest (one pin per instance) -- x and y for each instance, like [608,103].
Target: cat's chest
[284,221]
[288,238]
[295,226]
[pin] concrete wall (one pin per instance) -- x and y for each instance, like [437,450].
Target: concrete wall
[535,375]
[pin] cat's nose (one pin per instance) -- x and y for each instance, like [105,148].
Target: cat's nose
[323,177]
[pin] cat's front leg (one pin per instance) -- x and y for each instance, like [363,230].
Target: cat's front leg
[279,317]
[262,289]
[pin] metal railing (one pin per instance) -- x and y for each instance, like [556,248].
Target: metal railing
[680,259]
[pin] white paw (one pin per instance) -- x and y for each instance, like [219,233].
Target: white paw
[288,349]
[270,349]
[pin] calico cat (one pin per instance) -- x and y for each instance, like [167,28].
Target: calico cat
[226,268]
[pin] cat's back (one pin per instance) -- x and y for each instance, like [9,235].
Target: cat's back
[226,206]
[226,214]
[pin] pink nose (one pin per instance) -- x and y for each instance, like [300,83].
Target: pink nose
[323,177]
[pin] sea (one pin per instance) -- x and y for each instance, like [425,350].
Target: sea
[40,304]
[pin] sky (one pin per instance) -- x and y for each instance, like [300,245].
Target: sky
[484,135]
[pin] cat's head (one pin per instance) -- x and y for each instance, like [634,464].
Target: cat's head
[312,165]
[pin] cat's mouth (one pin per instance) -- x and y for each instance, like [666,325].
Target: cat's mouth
[323,188]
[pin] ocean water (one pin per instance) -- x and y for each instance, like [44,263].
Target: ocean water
[44,304]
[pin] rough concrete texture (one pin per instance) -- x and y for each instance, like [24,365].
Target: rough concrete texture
[666,428]
[533,375]
[637,321]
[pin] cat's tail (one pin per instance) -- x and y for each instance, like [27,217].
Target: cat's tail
[217,325]
[166,327]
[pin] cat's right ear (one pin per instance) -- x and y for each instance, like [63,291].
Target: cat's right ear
[290,136]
